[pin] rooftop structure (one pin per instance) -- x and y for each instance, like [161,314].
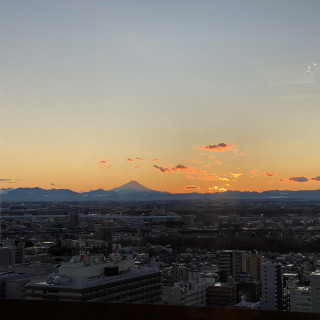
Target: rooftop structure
[97,279]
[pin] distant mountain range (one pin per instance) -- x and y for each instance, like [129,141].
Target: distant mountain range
[134,191]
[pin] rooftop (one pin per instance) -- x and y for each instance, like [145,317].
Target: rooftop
[65,282]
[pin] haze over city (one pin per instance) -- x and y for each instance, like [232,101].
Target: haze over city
[181,96]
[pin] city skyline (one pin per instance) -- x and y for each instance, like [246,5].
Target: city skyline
[181,96]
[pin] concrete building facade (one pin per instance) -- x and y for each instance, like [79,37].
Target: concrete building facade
[315,291]
[254,262]
[96,280]
[232,263]
[272,286]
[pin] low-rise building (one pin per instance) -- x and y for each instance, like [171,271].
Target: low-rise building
[222,294]
[192,292]
[94,279]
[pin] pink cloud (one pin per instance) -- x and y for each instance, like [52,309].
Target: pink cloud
[162,169]
[182,168]
[197,161]
[154,160]
[136,159]
[269,174]
[104,164]
[138,167]
[218,162]
[220,147]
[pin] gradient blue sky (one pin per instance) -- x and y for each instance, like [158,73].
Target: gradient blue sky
[85,85]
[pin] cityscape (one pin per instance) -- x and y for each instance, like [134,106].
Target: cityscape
[241,253]
[160,159]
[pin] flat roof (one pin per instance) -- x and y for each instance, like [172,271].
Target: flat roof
[93,282]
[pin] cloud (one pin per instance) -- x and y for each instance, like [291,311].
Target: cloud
[104,164]
[218,162]
[223,179]
[316,178]
[220,147]
[192,188]
[299,179]
[52,184]
[180,167]
[217,189]
[235,175]
[191,170]
[269,174]
[162,169]
[295,179]
[197,161]
[154,160]
[136,159]
[137,167]
[183,168]
[9,180]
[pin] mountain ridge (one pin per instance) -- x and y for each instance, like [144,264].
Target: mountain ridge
[134,191]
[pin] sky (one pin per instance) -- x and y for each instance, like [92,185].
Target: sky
[182,96]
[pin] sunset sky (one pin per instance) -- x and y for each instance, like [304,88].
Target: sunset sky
[181,96]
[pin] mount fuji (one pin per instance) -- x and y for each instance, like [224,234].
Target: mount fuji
[132,186]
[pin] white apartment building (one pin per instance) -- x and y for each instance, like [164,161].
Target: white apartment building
[315,291]
[272,288]
[192,292]
[299,297]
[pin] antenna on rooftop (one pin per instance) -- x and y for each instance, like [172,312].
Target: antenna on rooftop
[82,251]
[115,245]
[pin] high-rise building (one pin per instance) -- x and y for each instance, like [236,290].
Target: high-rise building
[12,255]
[232,263]
[74,219]
[105,234]
[272,287]
[254,262]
